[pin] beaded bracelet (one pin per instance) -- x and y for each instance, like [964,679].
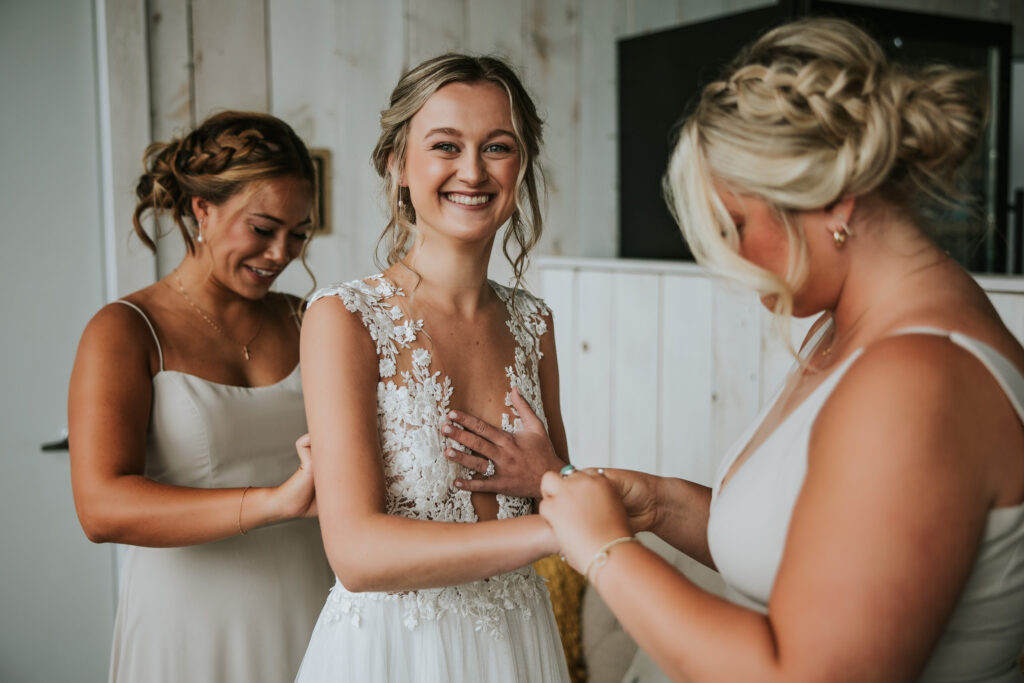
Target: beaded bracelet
[240,501]
[600,558]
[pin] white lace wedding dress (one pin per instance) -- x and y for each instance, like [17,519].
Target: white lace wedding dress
[495,630]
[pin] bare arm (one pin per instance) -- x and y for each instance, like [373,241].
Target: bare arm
[109,401]
[676,510]
[881,540]
[368,548]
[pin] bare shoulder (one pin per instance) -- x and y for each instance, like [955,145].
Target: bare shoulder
[920,374]
[121,331]
[331,313]
[332,327]
[922,401]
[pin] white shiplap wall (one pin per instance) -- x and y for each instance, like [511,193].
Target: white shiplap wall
[327,66]
[662,368]
[695,361]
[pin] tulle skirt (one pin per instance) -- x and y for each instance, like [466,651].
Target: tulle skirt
[432,637]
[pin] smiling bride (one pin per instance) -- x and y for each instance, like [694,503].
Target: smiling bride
[433,581]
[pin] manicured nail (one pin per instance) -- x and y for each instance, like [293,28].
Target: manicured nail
[458,484]
[453,414]
[446,429]
[449,454]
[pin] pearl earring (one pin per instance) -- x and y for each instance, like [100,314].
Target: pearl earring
[199,233]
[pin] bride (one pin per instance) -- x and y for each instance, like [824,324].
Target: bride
[433,581]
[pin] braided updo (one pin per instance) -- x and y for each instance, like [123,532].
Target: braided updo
[808,114]
[216,161]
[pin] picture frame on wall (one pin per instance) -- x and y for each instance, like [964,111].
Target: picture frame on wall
[322,200]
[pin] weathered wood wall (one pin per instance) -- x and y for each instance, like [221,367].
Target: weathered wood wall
[327,66]
[662,368]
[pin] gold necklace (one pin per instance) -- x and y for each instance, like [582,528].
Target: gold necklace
[211,323]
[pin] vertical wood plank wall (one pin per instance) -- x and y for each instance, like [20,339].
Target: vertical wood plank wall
[327,66]
[661,368]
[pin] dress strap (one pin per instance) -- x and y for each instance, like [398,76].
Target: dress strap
[812,343]
[159,351]
[1006,374]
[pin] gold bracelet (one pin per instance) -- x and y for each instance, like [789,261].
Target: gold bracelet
[600,558]
[242,500]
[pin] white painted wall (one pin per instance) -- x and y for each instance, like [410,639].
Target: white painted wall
[56,588]
[327,66]
[662,368]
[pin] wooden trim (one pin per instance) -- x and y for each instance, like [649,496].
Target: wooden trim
[123,93]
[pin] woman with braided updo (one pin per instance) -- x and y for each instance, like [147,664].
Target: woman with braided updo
[184,410]
[870,524]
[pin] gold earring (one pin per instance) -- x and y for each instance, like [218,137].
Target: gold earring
[841,232]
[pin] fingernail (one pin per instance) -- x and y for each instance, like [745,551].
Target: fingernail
[449,454]
[446,429]
[452,414]
[458,484]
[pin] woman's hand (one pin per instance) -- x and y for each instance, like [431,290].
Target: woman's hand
[520,458]
[585,511]
[638,492]
[295,497]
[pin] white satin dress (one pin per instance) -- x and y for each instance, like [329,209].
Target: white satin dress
[750,519]
[239,609]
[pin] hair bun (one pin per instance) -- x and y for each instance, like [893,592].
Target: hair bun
[942,113]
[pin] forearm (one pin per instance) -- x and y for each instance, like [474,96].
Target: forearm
[691,634]
[681,517]
[134,510]
[389,553]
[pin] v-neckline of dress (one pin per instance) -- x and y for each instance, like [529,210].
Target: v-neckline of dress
[509,368]
[729,469]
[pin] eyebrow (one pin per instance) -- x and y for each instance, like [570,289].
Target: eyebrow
[457,133]
[277,220]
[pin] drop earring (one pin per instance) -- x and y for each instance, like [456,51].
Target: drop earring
[199,232]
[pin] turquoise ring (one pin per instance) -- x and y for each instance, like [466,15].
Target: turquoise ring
[567,470]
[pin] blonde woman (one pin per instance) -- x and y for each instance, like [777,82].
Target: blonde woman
[184,408]
[870,524]
[434,582]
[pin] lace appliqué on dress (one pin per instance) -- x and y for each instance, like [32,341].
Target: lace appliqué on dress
[419,480]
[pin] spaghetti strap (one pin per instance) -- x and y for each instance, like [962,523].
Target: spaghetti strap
[160,351]
[1007,376]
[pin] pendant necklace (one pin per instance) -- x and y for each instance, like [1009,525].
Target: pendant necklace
[211,323]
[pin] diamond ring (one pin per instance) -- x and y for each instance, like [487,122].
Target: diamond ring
[489,472]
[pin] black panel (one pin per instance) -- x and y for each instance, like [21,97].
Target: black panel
[660,74]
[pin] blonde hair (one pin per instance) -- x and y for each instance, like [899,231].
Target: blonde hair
[411,93]
[808,114]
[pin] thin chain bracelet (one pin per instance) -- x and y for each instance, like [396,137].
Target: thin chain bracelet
[600,558]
